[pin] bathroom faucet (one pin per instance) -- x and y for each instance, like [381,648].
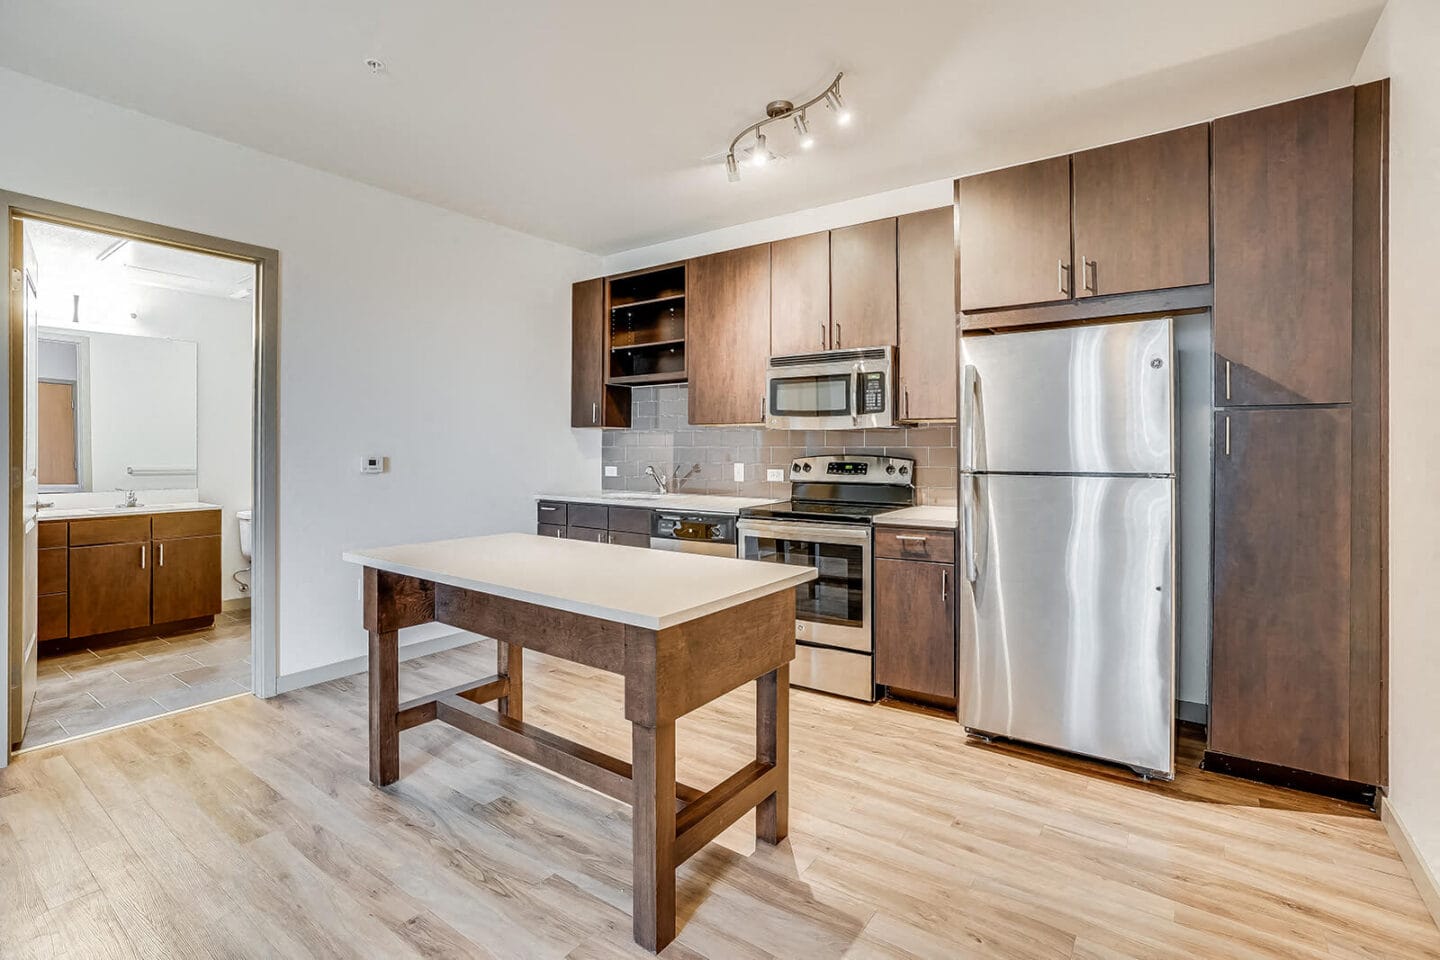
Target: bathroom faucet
[130,500]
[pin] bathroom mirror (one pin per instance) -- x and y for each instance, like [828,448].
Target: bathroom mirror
[116,412]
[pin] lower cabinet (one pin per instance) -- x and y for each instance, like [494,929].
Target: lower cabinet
[186,581]
[915,617]
[109,588]
[597,523]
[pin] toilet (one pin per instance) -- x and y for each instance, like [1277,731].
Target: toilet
[244,516]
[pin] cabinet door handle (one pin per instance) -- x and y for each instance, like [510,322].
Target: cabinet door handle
[839,337]
[1088,274]
[906,536]
[1061,269]
[160,549]
[1227,379]
[1227,434]
[944,586]
[549,509]
[594,412]
[906,389]
[823,333]
[142,556]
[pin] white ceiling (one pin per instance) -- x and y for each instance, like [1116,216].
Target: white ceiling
[596,124]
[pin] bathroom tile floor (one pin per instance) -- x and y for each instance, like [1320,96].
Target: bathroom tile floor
[83,691]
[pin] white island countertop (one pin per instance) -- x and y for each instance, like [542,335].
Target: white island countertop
[646,588]
[696,502]
[89,513]
[945,518]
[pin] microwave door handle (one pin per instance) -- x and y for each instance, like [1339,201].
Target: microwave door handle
[969,402]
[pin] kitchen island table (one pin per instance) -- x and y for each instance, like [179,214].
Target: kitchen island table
[682,629]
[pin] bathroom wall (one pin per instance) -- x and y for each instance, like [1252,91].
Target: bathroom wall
[661,434]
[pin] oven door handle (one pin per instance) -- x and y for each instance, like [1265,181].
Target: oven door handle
[807,531]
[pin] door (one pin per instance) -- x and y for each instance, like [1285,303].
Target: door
[1142,213]
[915,626]
[1092,399]
[1284,211]
[1067,613]
[25,481]
[925,267]
[800,294]
[57,433]
[727,335]
[1015,236]
[109,588]
[1280,671]
[186,582]
[862,285]
[592,403]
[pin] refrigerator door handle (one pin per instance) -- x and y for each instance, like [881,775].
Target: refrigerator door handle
[969,400]
[968,496]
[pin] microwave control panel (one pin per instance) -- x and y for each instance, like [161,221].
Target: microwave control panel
[871,397]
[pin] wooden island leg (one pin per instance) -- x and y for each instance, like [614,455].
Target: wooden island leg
[653,765]
[510,663]
[384,705]
[772,745]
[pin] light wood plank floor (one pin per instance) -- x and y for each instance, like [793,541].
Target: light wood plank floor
[247,828]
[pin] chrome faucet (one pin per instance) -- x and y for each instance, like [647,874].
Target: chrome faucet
[130,500]
[661,481]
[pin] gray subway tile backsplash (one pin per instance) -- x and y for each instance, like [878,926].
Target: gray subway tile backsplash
[660,434]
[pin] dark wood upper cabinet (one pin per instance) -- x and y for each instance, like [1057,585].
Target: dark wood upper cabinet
[1142,213]
[925,255]
[110,587]
[186,582]
[592,403]
[728,335]
[1281,669]
[915,626]
[1284,181]
[1015,236]
[862,285]
[800,294]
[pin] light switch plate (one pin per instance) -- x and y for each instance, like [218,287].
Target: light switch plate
[612,471]
[374,464]
[775,476]
[739,473]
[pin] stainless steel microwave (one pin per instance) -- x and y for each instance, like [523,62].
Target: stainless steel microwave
[832,390]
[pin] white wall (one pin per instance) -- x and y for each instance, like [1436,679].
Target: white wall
[1406,47]
[433,338]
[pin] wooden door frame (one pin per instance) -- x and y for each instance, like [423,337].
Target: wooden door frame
[265,421]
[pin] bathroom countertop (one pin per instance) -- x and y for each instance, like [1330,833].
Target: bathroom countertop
[90,513]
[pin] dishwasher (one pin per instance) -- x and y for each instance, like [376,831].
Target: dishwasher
[711,533]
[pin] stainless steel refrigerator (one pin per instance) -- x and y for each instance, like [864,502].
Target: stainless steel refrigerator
[1068,519]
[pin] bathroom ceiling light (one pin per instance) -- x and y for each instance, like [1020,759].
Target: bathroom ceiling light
[777,111]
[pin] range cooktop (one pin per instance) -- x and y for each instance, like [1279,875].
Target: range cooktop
[828,511]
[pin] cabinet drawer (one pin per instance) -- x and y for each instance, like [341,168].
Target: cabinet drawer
[54,533]
[593,515]
[191,523]
[54,570]
[630,520]
[54,617]
[85,533]
[630,539]
[915,543]
[550,513]
[586,533]
[549,529]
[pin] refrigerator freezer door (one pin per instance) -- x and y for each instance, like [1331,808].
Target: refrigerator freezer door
[1094,399]
[1068,627]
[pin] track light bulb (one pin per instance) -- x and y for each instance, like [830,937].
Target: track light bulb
[835,102]
[761,153]
[732,169]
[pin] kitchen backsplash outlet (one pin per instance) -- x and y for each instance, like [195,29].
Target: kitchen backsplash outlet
[660,434]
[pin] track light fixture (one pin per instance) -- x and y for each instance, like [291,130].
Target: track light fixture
[777,111]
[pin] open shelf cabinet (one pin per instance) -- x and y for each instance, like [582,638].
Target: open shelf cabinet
[646,327]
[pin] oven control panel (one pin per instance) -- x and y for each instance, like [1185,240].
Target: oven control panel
[892,471]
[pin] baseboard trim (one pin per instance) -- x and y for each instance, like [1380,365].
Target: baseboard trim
[238,603]
[1191,712]
[1425,880]
[346,668]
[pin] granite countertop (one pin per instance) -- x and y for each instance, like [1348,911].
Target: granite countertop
[646,588]
[927,516]
[698,502]
[94,513]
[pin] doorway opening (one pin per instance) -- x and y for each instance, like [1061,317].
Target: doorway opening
[142,464]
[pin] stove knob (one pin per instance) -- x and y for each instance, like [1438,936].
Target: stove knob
[904,470]
[794,468]
[807,468]
[890,469]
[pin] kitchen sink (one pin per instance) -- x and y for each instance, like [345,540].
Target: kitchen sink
[626,495]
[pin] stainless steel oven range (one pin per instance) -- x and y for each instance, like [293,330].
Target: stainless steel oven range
[826,524]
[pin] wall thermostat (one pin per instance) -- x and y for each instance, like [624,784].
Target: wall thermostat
[374,464]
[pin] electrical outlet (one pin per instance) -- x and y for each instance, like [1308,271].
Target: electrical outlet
[612,471]
[775,476]
[739,473]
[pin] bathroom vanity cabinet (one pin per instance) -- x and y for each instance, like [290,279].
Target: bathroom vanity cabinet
[106,575]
